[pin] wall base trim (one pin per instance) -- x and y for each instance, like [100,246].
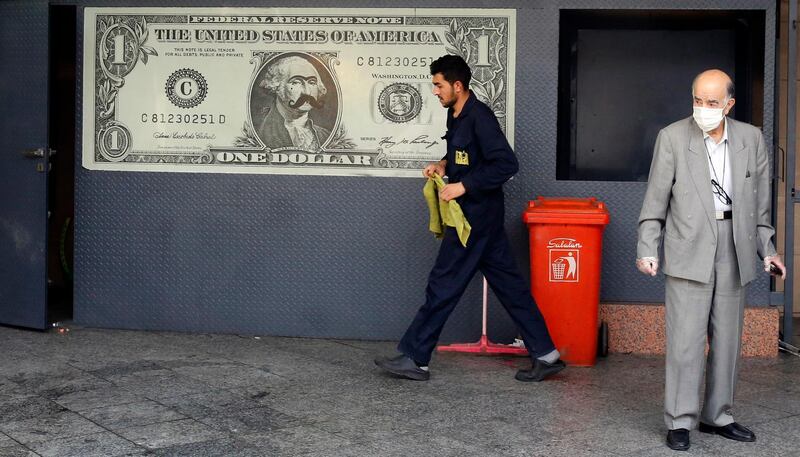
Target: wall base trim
[641,329]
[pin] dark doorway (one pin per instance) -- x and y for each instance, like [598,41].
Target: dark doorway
[62,55]
[624,75]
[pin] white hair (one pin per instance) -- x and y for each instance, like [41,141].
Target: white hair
[278,73]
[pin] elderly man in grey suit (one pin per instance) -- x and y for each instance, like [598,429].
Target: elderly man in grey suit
[708,201]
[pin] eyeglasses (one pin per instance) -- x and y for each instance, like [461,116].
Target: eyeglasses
[720,193]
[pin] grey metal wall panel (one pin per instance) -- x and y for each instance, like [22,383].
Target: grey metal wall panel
[23,209]
[337,256]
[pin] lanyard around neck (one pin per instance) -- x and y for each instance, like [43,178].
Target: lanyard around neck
[724,160]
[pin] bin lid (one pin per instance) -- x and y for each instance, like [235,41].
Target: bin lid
[566,210]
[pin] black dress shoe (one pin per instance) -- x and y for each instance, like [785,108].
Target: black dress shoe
[678,439]
[732,431]
[539,371]
[404,367]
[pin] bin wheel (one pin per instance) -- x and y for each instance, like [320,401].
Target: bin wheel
[602,340]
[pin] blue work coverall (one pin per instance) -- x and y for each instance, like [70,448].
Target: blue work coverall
[479,157]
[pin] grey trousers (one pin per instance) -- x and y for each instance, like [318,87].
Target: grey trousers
[696,311]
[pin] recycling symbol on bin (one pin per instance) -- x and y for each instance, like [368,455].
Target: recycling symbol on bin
[564,259]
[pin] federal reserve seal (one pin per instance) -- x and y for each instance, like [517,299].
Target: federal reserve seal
[186,88]
[400,102]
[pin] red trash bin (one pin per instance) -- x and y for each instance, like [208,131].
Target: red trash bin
[566,245]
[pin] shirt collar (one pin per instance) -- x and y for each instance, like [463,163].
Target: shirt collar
[464,109]
[706,136]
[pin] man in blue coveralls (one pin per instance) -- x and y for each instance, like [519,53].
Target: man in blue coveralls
[478,161]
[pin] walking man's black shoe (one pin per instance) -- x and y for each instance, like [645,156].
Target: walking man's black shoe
[539,371]
[404,367]
[732,431]
[678,439]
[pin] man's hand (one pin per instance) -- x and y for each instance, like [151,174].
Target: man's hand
[647,265]
[436,167]
[776,260]
[452,191]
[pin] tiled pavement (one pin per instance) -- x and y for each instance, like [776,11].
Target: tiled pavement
[92,392]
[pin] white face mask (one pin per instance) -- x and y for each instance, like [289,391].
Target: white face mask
[708,118]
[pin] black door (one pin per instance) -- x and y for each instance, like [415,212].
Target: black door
[25,162]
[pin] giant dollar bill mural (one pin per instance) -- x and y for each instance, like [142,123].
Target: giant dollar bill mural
[290,91]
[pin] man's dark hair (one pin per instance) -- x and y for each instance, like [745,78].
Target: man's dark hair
[453,68]
[731,89]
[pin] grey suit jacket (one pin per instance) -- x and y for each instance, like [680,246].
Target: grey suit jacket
[678,206]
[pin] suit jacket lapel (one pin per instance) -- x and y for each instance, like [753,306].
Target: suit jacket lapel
[738,160]
[698,168]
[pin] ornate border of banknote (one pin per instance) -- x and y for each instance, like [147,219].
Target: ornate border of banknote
[287,91]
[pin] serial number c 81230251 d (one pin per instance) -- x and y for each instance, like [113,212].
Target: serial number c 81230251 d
[393,61]
[185,118]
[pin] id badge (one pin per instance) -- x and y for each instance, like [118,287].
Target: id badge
[462,158]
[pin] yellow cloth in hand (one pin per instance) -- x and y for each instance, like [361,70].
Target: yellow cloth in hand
[444,214]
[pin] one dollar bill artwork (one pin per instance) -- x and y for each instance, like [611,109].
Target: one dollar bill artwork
[289,91]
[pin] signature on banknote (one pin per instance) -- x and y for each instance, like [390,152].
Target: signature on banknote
[389,142]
